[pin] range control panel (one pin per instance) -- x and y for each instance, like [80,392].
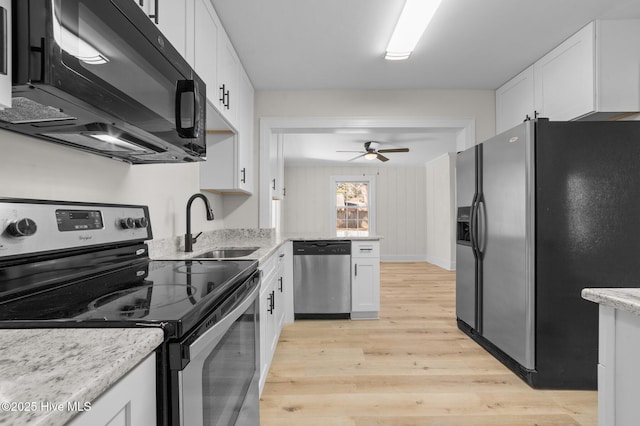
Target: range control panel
[35,226]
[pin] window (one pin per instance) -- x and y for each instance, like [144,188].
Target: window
[352,212]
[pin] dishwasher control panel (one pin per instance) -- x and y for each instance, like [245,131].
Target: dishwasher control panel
[339,247]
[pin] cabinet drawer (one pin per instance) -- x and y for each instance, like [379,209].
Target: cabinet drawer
[365,249]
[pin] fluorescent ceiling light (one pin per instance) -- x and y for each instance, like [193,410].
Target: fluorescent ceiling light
[413,20]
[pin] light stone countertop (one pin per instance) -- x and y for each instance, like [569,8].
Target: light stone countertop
[265,239]
[60,365]
[625,299]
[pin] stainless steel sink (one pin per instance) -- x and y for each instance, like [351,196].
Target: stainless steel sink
[227,253]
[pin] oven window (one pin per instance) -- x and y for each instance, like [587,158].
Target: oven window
[229,370]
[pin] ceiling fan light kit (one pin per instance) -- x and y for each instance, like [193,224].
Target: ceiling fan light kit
[371,151]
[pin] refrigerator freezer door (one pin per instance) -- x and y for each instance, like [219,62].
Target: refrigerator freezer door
[465,260]
[506,243]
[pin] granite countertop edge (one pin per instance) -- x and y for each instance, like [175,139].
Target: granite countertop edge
[66,365]
[625,299]
[266,242]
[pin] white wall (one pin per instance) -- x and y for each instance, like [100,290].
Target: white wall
[33,168]
[476,104]
[441,200]
[400,206]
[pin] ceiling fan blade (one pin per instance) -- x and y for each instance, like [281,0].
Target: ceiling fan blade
[382,157]
[358,156]
[394,150]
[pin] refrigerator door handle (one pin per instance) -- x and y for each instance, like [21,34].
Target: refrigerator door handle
[480,226]
[472,226]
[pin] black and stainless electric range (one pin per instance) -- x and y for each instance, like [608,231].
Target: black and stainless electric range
[86,265]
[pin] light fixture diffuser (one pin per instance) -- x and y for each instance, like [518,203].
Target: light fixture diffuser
[413,20]
[371,156]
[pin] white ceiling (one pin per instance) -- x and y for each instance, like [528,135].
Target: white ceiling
[320,149]
[339,44]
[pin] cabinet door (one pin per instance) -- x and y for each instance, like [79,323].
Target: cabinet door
[365,285]
[276,166]
[206,30]
[515,101]
[129,402]
[172,22]
[565,78]
[245,133]
[5,60]
[266,331]
[228,75]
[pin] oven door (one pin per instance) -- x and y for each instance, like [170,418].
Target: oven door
[219,385]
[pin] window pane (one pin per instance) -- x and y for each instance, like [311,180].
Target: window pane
[352,208]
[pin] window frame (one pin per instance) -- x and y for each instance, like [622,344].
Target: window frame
[371,202]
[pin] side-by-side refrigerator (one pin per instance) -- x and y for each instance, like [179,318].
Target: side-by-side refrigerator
[543,211]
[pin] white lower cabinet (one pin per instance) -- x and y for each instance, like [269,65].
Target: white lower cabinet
[365,279]
[276,305]
[129,402]
[618,370]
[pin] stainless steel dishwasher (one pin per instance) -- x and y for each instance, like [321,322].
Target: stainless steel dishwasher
[321,279]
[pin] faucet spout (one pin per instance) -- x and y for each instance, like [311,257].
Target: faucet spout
[188,238]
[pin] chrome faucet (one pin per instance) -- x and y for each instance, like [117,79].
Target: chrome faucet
[189,240]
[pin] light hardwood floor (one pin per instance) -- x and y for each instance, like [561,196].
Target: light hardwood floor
[411,367]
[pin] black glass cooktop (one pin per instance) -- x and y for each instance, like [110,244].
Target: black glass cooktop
[178,293]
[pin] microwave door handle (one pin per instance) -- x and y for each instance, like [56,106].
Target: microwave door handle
[182,87]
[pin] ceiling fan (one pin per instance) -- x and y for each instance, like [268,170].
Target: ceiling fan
[372,152]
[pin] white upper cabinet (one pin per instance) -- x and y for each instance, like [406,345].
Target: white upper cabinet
[565,78]
[276,166]
[591,75]
[515,101]
[5,61]
[171,18]
[246,169]
[206,29]
[228,79]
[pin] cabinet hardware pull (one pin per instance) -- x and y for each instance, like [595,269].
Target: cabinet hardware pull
[356,266]
[222,89]
[271,302]
[274,184]
[156,14]
[243,174]
[280,280]
[227,102]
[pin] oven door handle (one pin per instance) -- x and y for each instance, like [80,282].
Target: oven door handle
[219,329]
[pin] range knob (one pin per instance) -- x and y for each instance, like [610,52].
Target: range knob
[127,223]
[22,228]
[141,222]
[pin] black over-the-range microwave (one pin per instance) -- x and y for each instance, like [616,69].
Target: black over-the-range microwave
[99,76]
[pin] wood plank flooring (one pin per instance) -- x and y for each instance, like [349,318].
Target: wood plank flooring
[411,367]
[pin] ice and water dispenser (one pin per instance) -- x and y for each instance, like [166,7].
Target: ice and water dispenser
[463,232]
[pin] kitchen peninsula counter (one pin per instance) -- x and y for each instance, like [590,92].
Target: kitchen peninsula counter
[624,299]
[618,353]
[42,370]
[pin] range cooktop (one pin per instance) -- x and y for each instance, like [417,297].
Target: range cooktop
[172,293]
